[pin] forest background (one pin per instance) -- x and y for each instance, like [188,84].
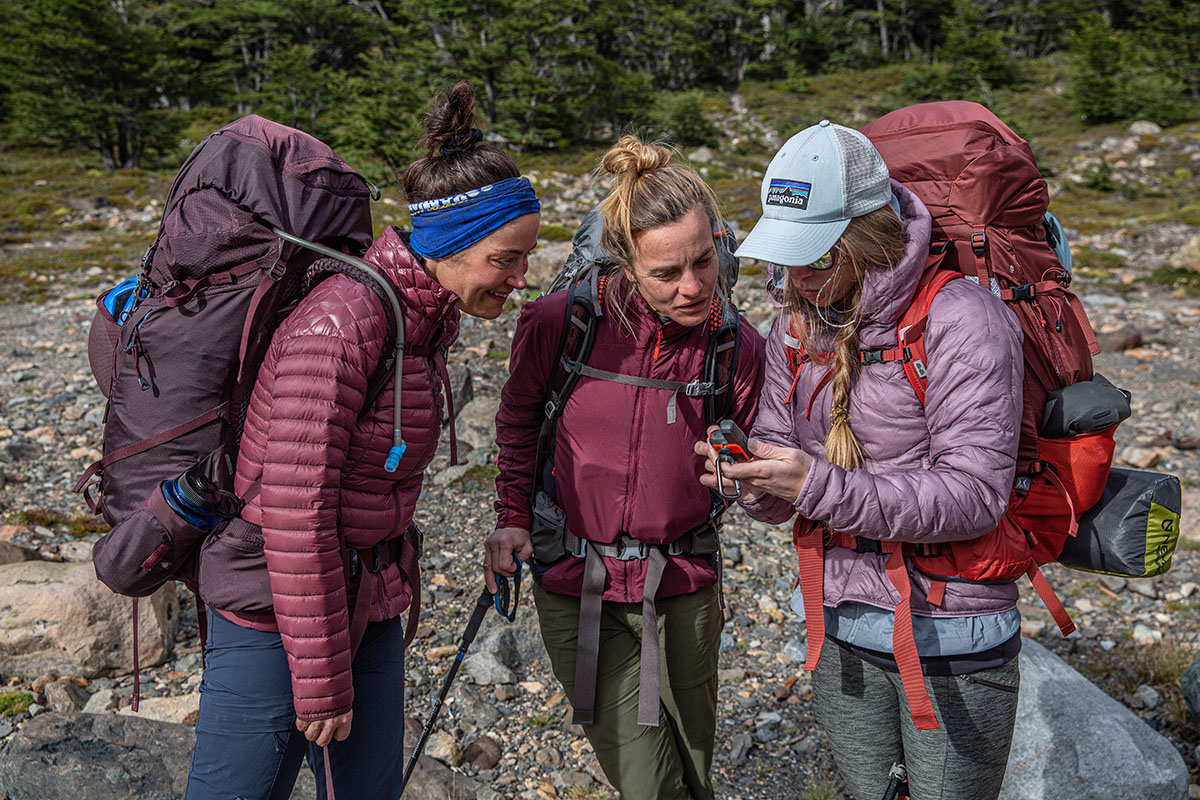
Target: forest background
[101,100]
[131,79]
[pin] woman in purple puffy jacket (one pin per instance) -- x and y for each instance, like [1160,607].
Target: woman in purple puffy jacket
[842,442]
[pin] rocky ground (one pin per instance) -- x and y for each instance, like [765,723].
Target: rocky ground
[505,731]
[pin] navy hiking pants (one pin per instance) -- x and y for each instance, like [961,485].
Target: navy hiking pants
[247,745]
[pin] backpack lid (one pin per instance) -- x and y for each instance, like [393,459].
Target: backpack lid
[963,162]
[247,178]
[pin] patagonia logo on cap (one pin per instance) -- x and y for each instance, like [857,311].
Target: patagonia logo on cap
[793,194]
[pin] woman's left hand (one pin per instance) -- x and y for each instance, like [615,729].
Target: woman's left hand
[780,471]
[324,731]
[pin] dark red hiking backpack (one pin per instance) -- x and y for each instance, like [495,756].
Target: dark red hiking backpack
[178,362]
[988,201]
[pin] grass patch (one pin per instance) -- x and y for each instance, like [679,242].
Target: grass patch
[482,476]
[541,720]
[1161,665]
[76,525]
[822,791]
[556,233]
[1183,279]
[13,703]
[498,355]
[847,98]
[47,196]
[1095,263]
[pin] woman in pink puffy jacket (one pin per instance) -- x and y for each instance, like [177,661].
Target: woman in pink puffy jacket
[314,657]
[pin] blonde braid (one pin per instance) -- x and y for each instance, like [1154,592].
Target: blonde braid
[872,242]
[842,447]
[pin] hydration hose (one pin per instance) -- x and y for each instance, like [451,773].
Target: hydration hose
[398,445]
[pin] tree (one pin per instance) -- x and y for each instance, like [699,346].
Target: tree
[280,57]
[88,73]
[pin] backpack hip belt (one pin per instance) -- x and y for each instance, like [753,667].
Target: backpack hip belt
[366,565]
[554,542]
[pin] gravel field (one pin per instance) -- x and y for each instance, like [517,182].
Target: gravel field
[1134,637]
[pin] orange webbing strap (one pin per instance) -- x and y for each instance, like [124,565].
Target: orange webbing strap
[1052,476]
[1053,604]
[904,646]
[910,331]
[826,379]
[806,536]
[937,592]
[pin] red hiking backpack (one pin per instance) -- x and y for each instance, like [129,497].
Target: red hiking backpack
[988,201]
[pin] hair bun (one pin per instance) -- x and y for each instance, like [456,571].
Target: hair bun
[630,156]
[450,125]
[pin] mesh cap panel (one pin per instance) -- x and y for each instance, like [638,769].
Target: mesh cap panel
[864,175]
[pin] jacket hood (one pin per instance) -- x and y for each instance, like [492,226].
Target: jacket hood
[432,315]
[888,293]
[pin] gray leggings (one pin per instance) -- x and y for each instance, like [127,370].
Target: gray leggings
[865,717]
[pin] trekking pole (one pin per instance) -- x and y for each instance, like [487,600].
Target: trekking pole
[482,604]
[898,785]
[485,601]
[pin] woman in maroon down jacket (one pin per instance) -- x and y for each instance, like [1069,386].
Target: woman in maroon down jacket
[627,483]
[300,666]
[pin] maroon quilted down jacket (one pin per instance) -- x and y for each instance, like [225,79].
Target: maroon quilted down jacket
[320,460]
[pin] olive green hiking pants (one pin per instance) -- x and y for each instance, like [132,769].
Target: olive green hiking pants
[644,763]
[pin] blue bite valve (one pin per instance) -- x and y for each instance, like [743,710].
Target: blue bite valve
[394,456]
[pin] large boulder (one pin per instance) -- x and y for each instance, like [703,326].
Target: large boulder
[1074,742]
[96,757]
[56,617]
[475,424]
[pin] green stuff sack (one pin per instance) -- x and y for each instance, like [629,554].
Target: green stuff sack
[1132,531]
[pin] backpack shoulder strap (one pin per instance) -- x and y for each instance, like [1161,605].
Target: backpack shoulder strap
[585,301]
[910,332]
[323,268]
[720,358]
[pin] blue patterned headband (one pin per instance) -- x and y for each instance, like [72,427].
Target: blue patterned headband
[448,225]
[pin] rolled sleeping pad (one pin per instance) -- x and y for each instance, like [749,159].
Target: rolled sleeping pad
[1133,529]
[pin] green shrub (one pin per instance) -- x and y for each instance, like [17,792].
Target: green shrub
[1157,97]
[682,119]
[13,703]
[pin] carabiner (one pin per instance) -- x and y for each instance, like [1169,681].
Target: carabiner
[737,485]
[504,594]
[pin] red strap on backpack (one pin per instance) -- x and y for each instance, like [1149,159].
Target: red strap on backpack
[810,549]
[904,646]
[910,332]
